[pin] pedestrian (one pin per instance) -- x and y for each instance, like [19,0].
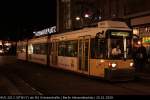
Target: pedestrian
[134,55]
[141,58]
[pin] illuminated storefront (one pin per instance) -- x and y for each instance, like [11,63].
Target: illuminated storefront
[146,40]
[6,47]
[141,27]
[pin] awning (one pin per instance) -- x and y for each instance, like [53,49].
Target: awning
[140,20]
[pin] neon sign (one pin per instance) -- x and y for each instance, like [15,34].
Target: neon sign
[45,31]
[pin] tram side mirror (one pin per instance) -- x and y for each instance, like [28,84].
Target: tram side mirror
[100,45]
[99,36]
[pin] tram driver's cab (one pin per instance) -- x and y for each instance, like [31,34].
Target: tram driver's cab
[119,44]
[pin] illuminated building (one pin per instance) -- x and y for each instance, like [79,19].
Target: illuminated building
[138,13]
[74,14]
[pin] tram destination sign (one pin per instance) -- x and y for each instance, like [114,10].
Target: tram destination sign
[45,31]
[124,34]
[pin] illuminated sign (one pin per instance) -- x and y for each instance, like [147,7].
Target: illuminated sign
[46,31]
[146,39]
[124,34]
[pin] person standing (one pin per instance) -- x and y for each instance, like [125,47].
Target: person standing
[134,55]
[141,58]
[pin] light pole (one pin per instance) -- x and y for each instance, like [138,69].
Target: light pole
[86,16]
[79,20]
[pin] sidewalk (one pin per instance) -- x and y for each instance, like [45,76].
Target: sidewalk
[145,73]
[7,87]
[144,76]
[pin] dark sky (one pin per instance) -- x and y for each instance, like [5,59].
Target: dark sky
[19,18]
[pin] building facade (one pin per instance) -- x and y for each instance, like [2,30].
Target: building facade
[75,14]
[88,12]
[138,14]
[63,15]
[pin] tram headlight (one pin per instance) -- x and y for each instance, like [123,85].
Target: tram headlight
[131,64]
[112,65]
[139,42]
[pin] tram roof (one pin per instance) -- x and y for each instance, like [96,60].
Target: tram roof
[102,26]
[112,24]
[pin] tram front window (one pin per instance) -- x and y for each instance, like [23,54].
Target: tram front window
[120,46]
[116,48]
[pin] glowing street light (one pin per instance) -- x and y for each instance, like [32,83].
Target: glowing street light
[100,17]
[77,18]
[86,16]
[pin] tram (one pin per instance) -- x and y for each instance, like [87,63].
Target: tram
[87,51]
[22,50]
[38,50]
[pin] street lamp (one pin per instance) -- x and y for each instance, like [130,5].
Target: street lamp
[77,18]
[79,21]
[83,21]
[86,16]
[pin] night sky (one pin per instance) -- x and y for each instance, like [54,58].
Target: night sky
[19,18]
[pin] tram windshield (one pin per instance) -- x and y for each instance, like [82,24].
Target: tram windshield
[119,45]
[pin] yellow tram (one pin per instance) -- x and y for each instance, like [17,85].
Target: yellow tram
[103,51]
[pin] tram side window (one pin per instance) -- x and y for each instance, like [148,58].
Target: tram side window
[21,49]
[98,48]
[61,49]
[50,48]
[68,48]
[18,48]
[72,48]
[40,48]
[43,48]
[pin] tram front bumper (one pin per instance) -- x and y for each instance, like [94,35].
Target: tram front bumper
[119,74]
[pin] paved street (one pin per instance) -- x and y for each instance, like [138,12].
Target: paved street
[24,78]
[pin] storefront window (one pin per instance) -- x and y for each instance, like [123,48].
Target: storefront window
[142,30]
[136,31]
[147,29]
[146,39]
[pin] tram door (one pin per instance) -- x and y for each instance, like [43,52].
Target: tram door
[83,54]
[54,52]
